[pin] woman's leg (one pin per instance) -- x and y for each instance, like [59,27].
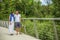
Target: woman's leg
[11,28]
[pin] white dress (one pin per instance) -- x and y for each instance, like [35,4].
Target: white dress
[11,26]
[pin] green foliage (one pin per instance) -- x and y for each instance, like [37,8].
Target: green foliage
[29,8]
[45,29]
[56,4]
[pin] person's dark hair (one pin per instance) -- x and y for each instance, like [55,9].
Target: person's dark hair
[17,10]
[12,12]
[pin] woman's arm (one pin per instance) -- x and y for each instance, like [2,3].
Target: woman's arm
[9,20]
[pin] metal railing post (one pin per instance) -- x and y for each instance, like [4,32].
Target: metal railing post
[55,31]
[24,28]
[35,29]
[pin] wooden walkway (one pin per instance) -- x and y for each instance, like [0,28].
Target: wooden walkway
[4,35]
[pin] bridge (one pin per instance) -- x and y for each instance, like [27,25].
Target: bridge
[4,35]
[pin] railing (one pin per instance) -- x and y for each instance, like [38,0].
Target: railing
[5,24]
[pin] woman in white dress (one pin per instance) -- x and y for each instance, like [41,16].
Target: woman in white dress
[11,23]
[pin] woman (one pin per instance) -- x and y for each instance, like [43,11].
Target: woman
[11,23]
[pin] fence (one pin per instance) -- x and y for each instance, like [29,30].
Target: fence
[5,24]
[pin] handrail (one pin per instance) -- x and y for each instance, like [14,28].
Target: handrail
[44,18]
